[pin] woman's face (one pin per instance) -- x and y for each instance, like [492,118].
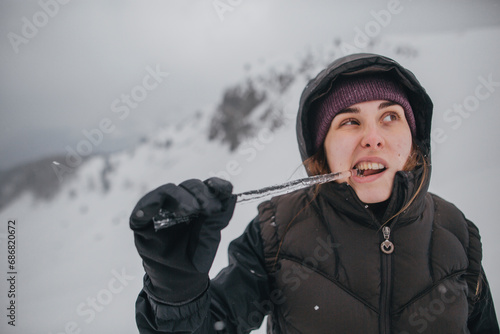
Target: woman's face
[372,136]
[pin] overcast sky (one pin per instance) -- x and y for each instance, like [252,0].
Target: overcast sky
[66,68]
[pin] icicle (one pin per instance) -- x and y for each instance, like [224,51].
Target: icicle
[166,219]
[291,186]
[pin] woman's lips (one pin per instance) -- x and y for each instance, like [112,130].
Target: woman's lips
[369,169]
[368,178]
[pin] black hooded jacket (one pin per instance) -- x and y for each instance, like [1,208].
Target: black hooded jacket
[313,260]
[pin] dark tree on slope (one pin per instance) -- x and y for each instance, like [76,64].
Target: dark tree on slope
[230,122]
[37,177]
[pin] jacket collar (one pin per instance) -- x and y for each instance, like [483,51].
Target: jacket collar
[341,197]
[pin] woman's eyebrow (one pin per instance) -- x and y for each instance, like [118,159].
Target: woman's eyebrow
[386,104]
[355,110]
[349,110]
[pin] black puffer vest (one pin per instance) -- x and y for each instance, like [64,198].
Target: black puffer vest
[325,250]
[332,276]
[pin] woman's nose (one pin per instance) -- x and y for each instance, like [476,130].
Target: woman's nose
[372,138]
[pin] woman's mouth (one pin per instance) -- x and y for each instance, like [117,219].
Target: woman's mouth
[365,168]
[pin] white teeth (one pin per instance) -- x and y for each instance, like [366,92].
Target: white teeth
[369,165]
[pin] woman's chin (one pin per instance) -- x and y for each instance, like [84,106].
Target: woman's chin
[370,195]
[373,189]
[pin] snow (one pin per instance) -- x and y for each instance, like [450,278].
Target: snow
[71,249]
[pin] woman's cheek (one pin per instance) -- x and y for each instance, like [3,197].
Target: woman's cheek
[403,154]
[338,157]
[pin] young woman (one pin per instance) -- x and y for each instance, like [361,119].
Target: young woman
[371,253]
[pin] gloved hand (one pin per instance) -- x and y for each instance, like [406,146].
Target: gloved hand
[177,259]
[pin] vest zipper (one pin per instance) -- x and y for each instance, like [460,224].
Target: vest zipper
[387,248]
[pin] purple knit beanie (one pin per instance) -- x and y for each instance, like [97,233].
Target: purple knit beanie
[351,90]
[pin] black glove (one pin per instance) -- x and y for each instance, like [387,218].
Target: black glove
[177,259]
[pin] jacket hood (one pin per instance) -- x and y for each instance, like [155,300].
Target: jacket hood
[363,63]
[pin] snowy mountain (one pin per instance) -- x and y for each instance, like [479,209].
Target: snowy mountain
[77,264]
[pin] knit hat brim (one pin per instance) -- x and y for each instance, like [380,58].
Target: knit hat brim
[351,90]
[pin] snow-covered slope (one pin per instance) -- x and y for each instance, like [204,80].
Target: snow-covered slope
[76,261]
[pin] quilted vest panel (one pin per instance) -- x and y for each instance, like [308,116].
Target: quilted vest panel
[334,278]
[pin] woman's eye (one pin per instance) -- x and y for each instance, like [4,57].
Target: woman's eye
[390,117]
[350,121]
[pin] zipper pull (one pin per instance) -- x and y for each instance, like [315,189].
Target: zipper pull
[387,247]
